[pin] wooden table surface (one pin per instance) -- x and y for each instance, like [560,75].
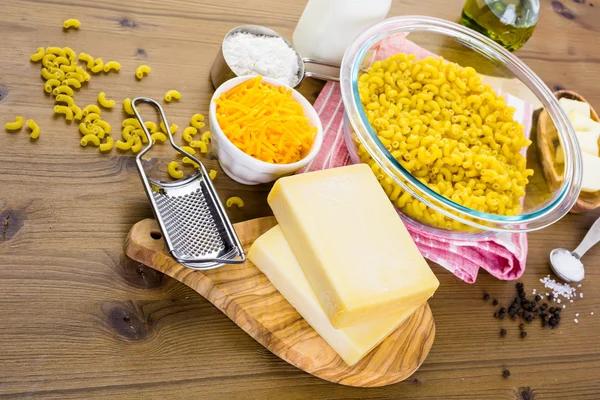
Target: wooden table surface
[79,320]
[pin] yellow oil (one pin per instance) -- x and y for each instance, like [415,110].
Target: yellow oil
[508,22]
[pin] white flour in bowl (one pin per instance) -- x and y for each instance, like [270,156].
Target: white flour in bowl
[272,57]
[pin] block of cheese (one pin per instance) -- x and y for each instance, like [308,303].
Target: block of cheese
[351,244]
[575,107]
[588,142]
[273,256]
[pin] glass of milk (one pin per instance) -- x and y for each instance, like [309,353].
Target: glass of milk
[327,27]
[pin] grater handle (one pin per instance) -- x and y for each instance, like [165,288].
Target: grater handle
[163,117]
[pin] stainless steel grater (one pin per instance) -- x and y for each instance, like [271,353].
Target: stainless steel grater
[192,219]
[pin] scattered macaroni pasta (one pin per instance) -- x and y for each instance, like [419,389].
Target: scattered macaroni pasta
[71,23]
[205,137]
[173,128]
[234,200]
[68,113]
[172,94]
[91,108]
[38,55]
[213,174]
[112,65]
[188,133]
[98,66]
[63,98]
[173,169]
[187,160]
[90,139]
[35,129]
[142,71]
[104,102]
[16,125]
[88,59]
[127,106]
[158,137]
[77,112]
[108,144]
[199,144]
[63,89]
[197,121]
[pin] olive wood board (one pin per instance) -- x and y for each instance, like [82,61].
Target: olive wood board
[249,299]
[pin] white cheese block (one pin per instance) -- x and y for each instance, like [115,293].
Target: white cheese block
[272,254]
[591,173]
[353,248]
[588,142]
[575,107]
[585,124]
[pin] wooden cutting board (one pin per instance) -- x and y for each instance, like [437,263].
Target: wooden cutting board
[247,297]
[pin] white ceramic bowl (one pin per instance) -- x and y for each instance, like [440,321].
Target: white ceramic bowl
[244,168]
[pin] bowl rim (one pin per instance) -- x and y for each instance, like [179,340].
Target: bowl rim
[351,66]
[255,164]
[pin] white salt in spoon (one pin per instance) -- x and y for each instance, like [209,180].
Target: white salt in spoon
[566,264]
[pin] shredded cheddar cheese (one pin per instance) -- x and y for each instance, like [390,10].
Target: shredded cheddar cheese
[265,122]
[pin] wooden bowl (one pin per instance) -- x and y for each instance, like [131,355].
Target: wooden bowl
[548,142]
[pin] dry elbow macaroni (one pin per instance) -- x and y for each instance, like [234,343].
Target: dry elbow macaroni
[68,113]
[173,128]
[104,102]
[187,160]
[91,108]
[88,59]
[448,129]
[199,144]
[188,134]
[172,94]
[174,171]
[108,144]
[127,106]
[38,55]
[98,66]
[16,125]
[112,65]
[234,200]
[197,121]
[213,174]
[35,129]
[142,71]
[71,23]
[158,137]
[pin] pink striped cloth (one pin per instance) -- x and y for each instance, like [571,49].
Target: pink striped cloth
[502,255]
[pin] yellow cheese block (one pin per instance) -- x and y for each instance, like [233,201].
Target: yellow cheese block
[273,256]
[351,244]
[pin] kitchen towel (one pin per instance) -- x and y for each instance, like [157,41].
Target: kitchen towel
[502,255]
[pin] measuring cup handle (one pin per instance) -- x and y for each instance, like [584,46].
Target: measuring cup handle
[317,75]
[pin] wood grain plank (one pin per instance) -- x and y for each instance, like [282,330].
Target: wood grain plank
[64,264]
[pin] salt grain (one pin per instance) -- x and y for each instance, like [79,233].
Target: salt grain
[570,301]
[579,285]
[581,295]
[564,306]
[558,301]
[558,289]
[576,320]
[577,314]
[592,313]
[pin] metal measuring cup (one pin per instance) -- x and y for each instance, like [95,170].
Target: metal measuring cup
[221,72]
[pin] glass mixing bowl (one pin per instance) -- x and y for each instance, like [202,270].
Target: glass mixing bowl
[505,73]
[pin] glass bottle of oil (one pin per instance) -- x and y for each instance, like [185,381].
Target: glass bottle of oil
[508,22]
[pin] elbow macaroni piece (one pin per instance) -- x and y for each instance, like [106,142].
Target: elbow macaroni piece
[188,134]
[131,121]
[158,136]
[125,145]
[234,200]
[108,144]
[35,129]
[51,84]
[127,107]
[70,54]
[38,55]
[448,129]
[71,23]
[91,117]
[142,71]
[197,121]
[112,65]
[63,89]
[91,138]
[173,169]
[137,144]
[63,98]
[91,108]
[88,59]
[68,113]
[104,125]
[173,128]
[199,144]
[77,112]
[72,82]
[213,174]
[16,125]
[104,102]
[98,66]
[151,126]
[187,160]
[188,149]
[205,137]
[172,94]
[57,51]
